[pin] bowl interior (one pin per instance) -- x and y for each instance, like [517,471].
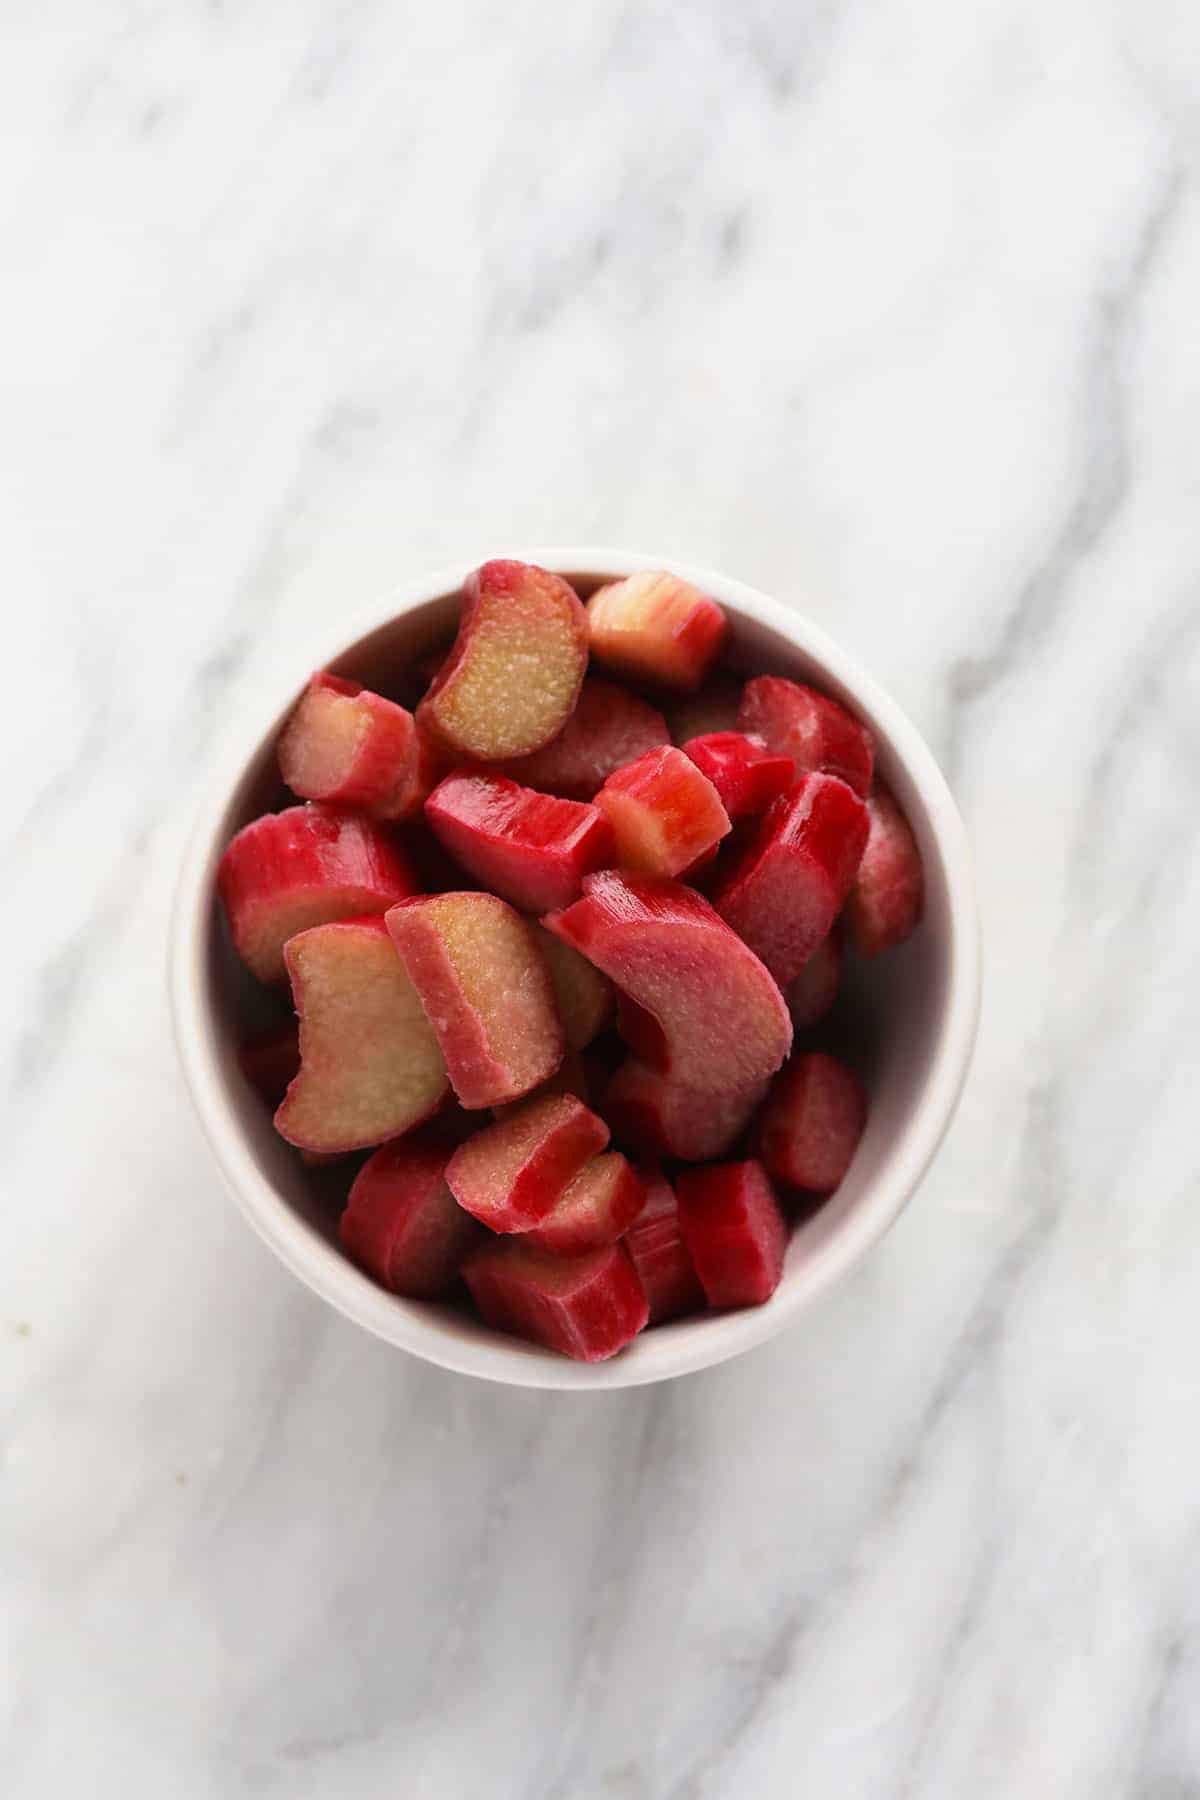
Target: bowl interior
[891,1020]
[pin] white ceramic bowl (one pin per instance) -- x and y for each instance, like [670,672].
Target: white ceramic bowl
[913,1012]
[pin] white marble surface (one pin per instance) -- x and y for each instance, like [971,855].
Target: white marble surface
[890,308]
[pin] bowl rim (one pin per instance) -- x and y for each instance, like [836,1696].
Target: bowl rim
[689,1345]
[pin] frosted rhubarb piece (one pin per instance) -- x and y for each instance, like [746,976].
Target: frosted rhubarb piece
[486,990]
[787,886]
[583,996]
[811,995]
[597,1209]
[404,1226]
[270,1060]
[351,747]
[811,1122]
[512,679]
[885,903]
[514,1172]
[717,1017]
[531,849]
[370,1066]
[659,1254]
[746,775]
[656,1115]
[734,1230]
[587,1307]
[666,816]
[658,628]
[805,724]
[609,728]
[306,866]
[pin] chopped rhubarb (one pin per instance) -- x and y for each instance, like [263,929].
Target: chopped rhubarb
[486,990]
[514,1172]
[735,1231]
[306,866]
[404,1226]
[746,775]
[787,886]
[885,902]
[664,812]
[659,1254]
[815,988]
[583,996]
[811,1122]
[714,708]
[657,628]
[351,747]
[529,848]
[808,726]
[654,1114]
[587,1307]
[599,1206]
[609,728]
[271,1060]
[512,679]
[370,1067]
[720,1017]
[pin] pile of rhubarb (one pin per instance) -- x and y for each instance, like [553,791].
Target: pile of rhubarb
[557,944]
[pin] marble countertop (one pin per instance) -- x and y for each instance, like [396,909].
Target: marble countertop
[890,310]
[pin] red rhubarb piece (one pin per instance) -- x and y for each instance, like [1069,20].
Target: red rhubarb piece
[659,1254]
[349,746]
[734,1230]
[714,708]
[665,813]
[529,848]
[746,775]
[512,679]
[514,1172]
[583,996]
[306,866]
[658,628]
[588,1307]
[370,1067]
[271,1059]
[815,988]
[486,990]
[609,728]
[808,726]
[601,1203]
[886,900]
[654,1114]
[404,1226]
[811,1122]
[786,888]
[721,1019]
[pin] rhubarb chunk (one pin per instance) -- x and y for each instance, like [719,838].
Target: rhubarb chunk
[664,812]
[720,1018]
[370,1067]
[306,866]
[271,1060]
[512,679]
[486,990]
[811,1122]
[786,888]
[587,1307]
[886,900]
[808,726]
[609,728]
[657,628]
[599,1206]
[659,1254]
[351,747]
[656,1115]
[746,775]
[529,848]
[584,998]
[815,988]
[511,1174]
[734,1230]
[404,1226]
